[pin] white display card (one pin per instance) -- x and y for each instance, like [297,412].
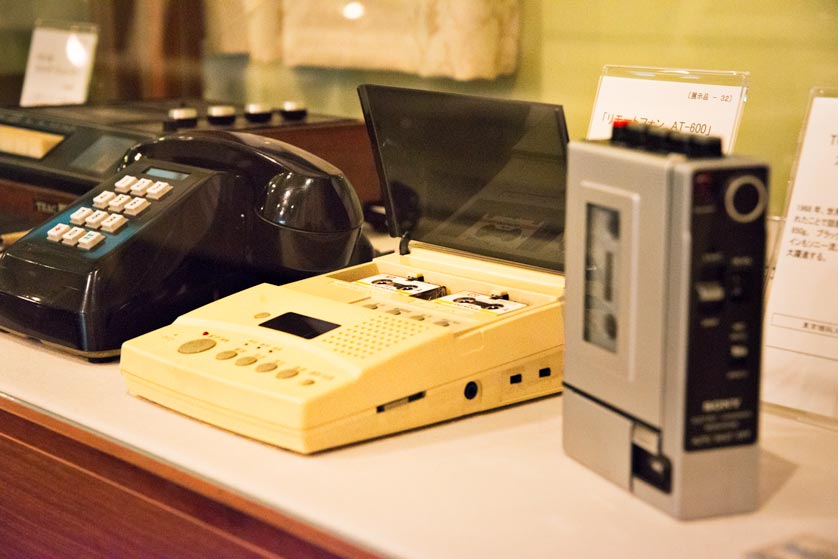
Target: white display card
[59,65]
[800,363]
[693,101]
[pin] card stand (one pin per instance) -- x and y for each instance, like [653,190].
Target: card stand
[705,102]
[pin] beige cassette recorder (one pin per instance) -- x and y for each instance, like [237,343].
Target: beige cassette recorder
[466,317]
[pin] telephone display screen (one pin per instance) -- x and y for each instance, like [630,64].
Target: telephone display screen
[300,325]
[165,174]
[481,175]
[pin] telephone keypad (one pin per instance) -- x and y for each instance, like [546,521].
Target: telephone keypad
[106,213]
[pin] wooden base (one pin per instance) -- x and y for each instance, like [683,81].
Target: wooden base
[65,492]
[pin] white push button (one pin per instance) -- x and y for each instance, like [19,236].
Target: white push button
[136,206]
[113,223]
[57,232]
[78,216]
[118,204]
[90,240]
[141,187]
[72,236]
[103,199]
[738,351]
[95,219]
[157,190]
[710,292]
[125,183]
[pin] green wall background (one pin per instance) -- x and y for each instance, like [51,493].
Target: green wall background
[788,46]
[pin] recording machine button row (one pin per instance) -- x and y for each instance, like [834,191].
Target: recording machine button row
[200,345]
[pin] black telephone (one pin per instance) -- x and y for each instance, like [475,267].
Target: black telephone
[188,218]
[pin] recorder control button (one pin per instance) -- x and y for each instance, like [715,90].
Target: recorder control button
[57,232]
[265,367]
[709,292]
[738,351]
[228,354]
[745,198]
[288,373]
[196,346]
[245,361]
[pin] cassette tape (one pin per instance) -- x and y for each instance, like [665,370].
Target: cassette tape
[413,286]
[481,302]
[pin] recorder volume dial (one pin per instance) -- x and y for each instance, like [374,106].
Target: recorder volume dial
[745,198]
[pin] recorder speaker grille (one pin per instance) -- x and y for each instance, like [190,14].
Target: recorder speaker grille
[367,338]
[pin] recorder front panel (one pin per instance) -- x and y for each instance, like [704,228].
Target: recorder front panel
[727,259]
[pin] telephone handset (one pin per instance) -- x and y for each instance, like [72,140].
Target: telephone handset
[187,218]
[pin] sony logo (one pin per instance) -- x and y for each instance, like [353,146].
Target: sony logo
[721,404]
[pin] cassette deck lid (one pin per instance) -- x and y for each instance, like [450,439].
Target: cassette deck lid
[479,175]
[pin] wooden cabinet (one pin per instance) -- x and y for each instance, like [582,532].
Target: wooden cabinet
[67,493]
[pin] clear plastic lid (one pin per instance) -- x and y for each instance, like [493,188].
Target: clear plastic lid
[480,175]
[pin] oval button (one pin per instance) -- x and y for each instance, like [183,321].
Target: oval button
[244,361]
[228,354]
[265,367]
[196,346]
[288,373]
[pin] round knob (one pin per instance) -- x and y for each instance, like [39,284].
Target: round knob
[196,346]
[745,198]
[184,117]
[258,112]
[293,110]
[221,114]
